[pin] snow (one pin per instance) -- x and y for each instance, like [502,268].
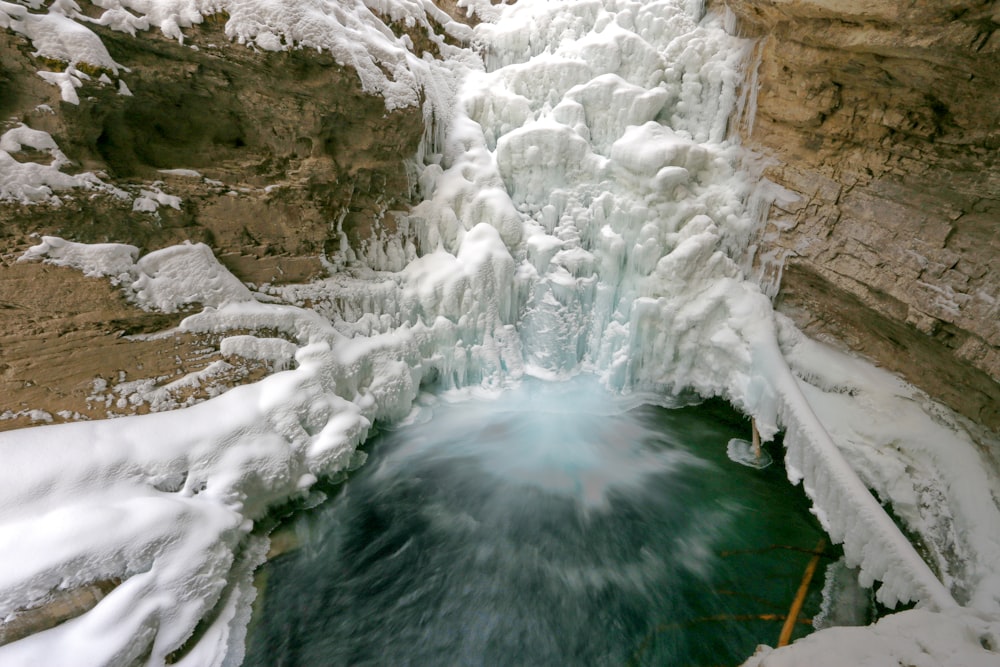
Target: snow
[94,260]
[170,278]
[150,200]
[163,280]
[917,638]
[354,32]
[848,513]
[33,415]
[56,35]
[916,456]
[34,182]
[276,350]
[585,211]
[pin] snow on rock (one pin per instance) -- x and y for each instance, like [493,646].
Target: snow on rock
[57,34]
[163,280]
[557,237]
[115,260]
[172,277]
[17,138]
[31,182]
[354,32]
[278,351]
[150,200]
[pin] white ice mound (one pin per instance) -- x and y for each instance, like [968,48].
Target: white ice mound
[163,280]
[173,277]
[115,260]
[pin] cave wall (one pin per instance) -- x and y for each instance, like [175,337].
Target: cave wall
[883,120]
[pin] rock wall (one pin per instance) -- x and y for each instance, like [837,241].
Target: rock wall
[883,118]
[282,157]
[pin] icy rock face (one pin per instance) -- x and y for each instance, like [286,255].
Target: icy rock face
[288,143]
[583,212]
[882,116]
[352,32]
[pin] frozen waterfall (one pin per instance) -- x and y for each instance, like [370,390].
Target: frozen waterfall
[585,212]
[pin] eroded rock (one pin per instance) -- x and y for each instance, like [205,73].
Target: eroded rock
[271,158]
[883,119]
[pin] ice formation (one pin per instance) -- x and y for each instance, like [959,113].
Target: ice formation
[585,212]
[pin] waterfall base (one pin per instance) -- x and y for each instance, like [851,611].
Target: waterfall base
[545,526]
[744,453]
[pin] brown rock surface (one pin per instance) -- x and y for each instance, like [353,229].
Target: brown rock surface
[289,142]
[66,342]
[290,153]
[884,118]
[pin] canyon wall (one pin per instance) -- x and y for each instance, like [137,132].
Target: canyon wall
[883,120]
[276,157]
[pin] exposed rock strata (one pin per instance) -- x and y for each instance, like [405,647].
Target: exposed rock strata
[293,157]
[884,118]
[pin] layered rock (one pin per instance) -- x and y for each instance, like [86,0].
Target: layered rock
[882,119]
[277,159]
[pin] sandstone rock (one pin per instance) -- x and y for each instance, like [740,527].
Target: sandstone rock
[69,352]
[883,117]
[274,156]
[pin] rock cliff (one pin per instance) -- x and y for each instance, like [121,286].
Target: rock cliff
[883,120]
[277,157]
[880,120]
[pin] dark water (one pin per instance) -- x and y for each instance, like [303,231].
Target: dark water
[546,527]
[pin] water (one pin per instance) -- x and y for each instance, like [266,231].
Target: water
[549,526]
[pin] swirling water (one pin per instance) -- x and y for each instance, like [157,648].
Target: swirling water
[543,526]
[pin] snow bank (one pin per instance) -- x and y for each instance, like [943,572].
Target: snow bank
[916,455]
[164,280]
[957,638]
[848,512]
[162,504]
